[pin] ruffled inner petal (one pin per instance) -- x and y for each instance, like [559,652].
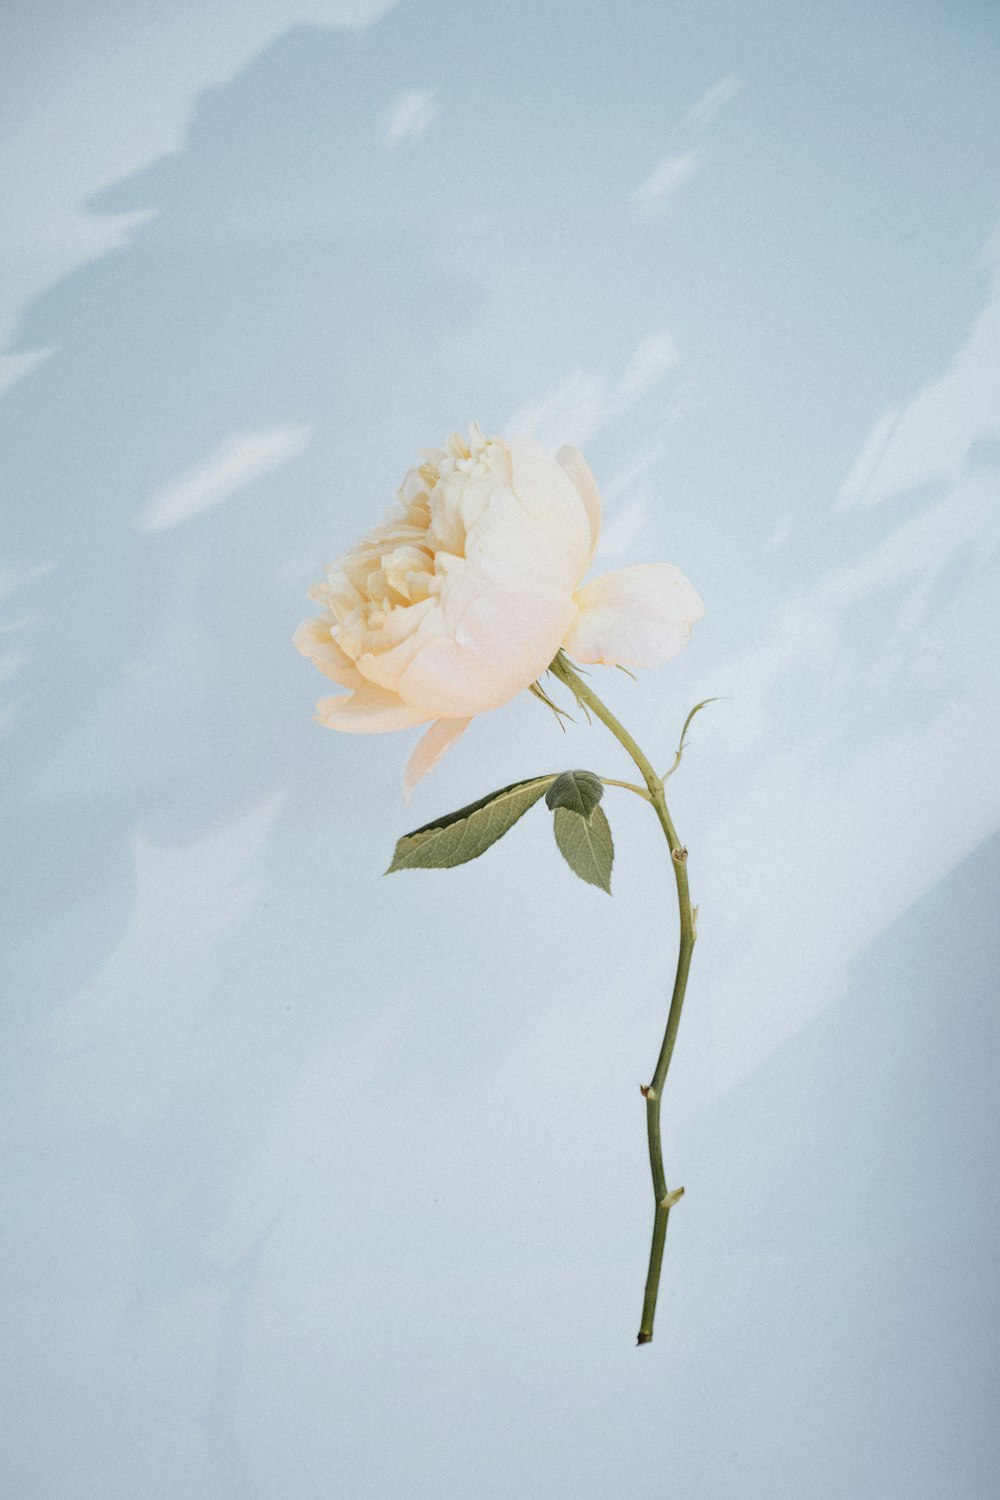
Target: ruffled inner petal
[314,640]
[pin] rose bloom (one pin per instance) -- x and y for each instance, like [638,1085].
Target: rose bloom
[463,596]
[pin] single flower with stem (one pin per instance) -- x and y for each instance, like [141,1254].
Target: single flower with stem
[466,595]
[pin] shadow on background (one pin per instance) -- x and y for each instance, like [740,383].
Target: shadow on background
[848,1216]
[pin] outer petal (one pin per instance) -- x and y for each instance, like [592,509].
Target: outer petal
[549,498]
[496,641]
[368,710]
[635,617]
[578,469]
[429,749]
[314,640]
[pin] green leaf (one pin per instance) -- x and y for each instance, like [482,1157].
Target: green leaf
[579,791]
[586,845]
[460,836]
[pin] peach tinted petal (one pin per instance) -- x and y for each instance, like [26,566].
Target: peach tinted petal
[497,640]
[368,710]
[429,749]
[634,617]
[314,640]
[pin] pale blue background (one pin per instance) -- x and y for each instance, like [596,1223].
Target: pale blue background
[318,1184]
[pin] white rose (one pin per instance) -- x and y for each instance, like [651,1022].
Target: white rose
[464,595]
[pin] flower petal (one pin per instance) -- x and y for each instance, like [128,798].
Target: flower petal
[429,749]
[368,710]
[494,641]
[314,640]
[548,497]
[576,466]
[634,617]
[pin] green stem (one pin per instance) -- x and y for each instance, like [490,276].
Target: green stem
[663,1200]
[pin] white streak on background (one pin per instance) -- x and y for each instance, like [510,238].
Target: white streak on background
[779,536]
[229,468]
[626,528]
[930,441]
[669,175]
[570,414]
[655,356]
[857,817]
[408,117]
[14,578]
[865,464]
[713,100]
[587,400]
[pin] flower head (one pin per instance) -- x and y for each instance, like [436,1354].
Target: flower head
[463,596]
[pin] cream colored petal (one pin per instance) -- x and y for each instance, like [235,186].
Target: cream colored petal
[429,749]
[513,550]
[634,617]
[550,499]
[368,710]
[314,640]
[497,641]
[576,466]
[396,643]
